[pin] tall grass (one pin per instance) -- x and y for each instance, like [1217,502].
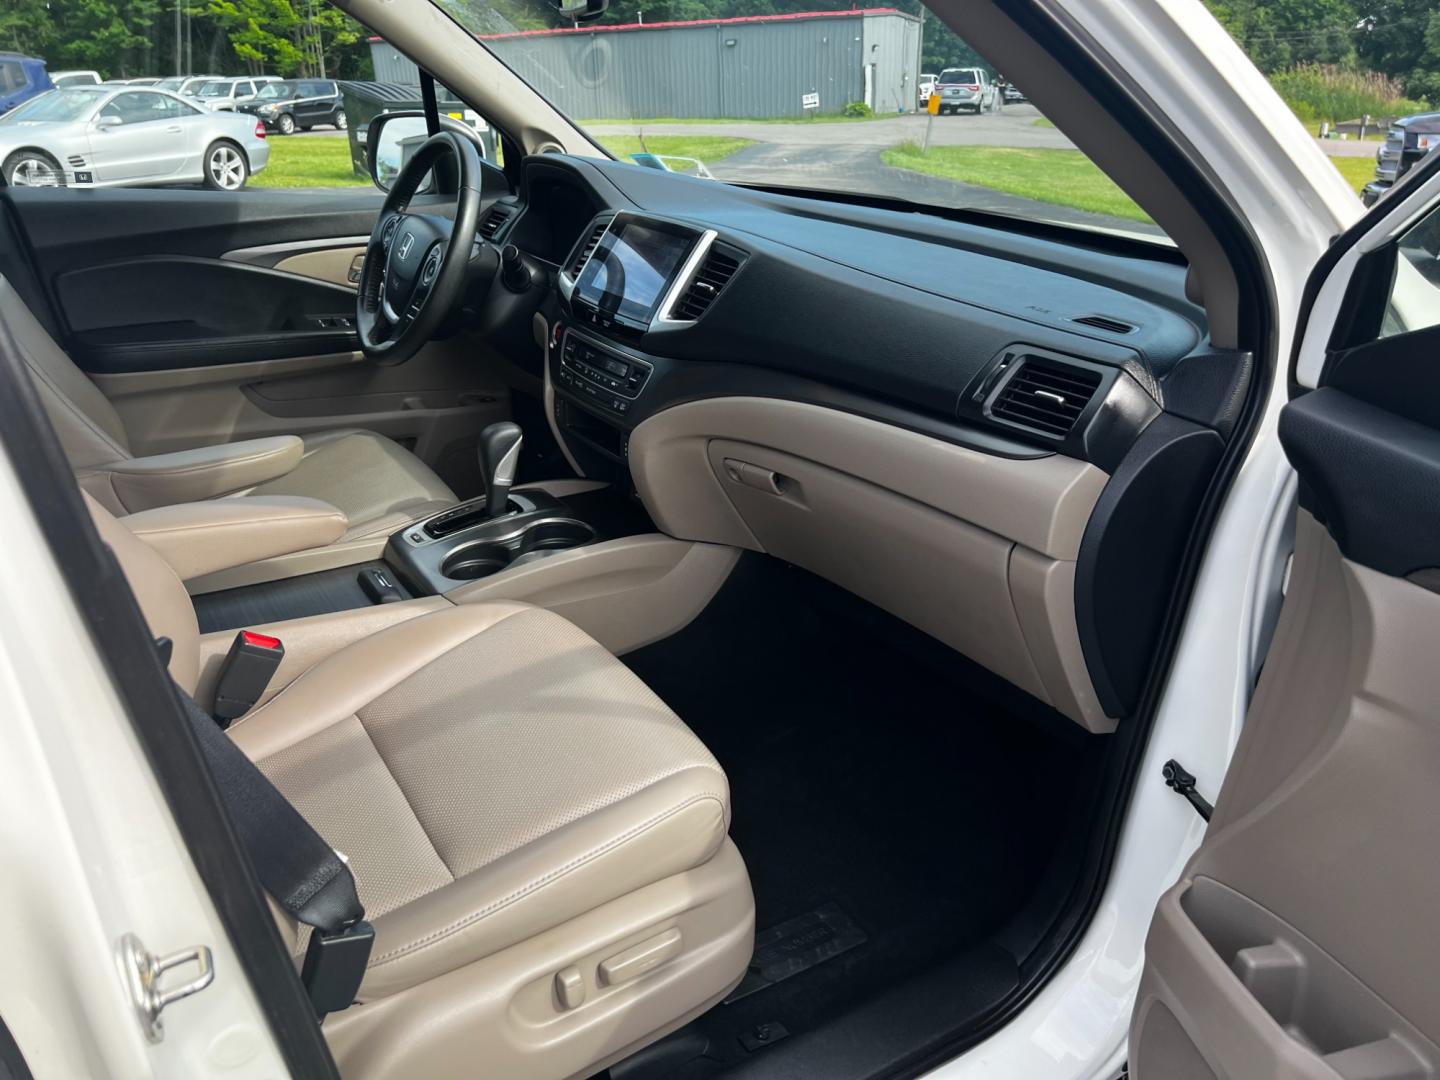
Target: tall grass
[1320,92]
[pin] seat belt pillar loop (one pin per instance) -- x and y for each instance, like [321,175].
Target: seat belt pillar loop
[335,965]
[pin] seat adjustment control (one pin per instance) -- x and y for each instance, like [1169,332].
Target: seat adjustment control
[570,988]
[638,959]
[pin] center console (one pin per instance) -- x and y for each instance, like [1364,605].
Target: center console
[629,276]
[465,543]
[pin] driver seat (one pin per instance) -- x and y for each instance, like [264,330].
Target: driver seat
[378,484]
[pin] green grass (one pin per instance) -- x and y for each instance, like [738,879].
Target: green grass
[1041,121]
[1062,177]
[806,118]
[1357,171]
[708,148]
[318,161]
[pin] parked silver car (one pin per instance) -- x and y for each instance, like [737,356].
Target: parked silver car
[105,136]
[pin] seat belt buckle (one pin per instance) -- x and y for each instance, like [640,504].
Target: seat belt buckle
[335,965]
[245,673]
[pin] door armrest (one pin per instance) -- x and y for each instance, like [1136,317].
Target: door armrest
[204,537]
[187,476]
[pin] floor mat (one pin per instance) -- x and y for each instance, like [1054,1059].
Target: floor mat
[872,772]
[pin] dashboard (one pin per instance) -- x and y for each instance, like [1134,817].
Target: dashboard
[725,351]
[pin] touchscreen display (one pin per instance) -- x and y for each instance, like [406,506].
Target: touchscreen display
[630,269]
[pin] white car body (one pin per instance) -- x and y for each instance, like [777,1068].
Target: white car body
[969,88]
[60,771]
[67,79]
[169,149]
[222,95]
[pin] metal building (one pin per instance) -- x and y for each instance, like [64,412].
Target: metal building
[755,67]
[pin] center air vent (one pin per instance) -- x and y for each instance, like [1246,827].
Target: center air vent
[583,255]
[1045,395]
[494,220]
[1105,322]
[715,272]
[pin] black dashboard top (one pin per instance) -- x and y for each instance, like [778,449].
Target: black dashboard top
[909,309]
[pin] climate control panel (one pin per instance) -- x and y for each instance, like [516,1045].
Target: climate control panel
[606,377]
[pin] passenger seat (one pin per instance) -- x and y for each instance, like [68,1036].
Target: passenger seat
[539,841]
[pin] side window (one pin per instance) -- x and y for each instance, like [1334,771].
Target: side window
[12,76]
[1414,302]
[174,109]
[137,108]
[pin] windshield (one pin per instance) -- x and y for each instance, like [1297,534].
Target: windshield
[274,91]
[57,106]
[170,84]
[215,89]
[781,94]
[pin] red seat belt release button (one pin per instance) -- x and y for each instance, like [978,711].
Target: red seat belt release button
[246,672]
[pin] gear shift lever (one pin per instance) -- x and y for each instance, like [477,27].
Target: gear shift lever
[499,452]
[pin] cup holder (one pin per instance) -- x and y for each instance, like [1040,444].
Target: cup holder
[476,561]
[539,538]
[556,536]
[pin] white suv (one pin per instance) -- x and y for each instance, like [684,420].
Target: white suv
[967,88]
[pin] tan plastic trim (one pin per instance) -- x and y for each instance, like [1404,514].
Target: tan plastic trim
[1326,821]
[1043,591]
[331,264]
[1042,503]
[976,550]
[624,593]
[542,331]
[503,1011]
[308,641]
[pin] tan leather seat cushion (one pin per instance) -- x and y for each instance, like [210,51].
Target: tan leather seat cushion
[490,771]
[374,481]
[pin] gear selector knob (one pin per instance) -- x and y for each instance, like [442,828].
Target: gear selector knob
[499,452]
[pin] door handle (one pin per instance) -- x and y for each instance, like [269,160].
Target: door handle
[174,129]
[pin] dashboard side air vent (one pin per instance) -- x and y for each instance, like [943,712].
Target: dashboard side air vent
[1046,395]
[1107,323]
[494,220]
[716,270]
[586,249]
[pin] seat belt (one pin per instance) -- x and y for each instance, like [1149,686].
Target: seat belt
[304,874]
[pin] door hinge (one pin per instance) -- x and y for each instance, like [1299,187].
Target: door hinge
[1180,781]
[142,970]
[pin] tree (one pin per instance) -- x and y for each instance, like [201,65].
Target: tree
[1281,33]
[1402,39]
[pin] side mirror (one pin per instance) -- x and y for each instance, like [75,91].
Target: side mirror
[392,138]
[105,123]
[581,10]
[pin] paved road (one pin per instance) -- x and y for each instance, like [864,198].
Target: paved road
[846,157]
[1014,126]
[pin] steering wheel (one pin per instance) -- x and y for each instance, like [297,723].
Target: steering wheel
[415,263]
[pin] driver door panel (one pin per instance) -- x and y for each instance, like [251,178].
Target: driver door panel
[214,316]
